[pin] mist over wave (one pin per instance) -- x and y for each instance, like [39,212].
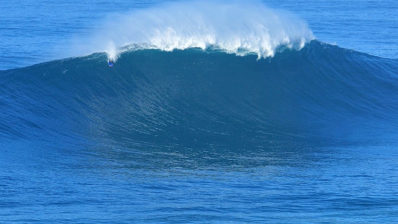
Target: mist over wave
[224,111]
[239,27]
[176,83]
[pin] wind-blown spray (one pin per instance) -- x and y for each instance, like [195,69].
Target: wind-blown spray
[239,27]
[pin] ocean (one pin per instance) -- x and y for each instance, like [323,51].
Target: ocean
[213,112]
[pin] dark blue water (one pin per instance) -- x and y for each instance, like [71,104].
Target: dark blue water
[306,136]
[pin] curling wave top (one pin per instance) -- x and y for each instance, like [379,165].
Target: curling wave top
[239,27]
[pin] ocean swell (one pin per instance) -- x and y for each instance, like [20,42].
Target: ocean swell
[321,94]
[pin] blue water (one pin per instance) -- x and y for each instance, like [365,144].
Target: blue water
[40,30]
[198,136]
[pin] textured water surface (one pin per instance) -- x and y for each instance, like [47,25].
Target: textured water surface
[199,136]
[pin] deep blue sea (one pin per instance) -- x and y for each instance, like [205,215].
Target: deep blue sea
[277,111]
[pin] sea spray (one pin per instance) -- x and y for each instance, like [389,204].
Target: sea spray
[240,27]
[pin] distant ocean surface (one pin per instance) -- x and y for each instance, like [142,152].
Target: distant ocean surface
[33,31]
[213,112]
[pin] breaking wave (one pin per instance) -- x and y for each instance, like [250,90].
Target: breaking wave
[240,27]
[321,94]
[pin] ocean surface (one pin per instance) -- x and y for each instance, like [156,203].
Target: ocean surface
[213,112]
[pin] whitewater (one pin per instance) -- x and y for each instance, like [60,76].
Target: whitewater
[240,27]
[215,111]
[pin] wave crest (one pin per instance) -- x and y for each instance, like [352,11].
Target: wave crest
[239,27]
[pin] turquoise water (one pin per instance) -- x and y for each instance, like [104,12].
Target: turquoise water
[199,136]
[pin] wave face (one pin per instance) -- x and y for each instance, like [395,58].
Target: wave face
[321,94]
[238,27]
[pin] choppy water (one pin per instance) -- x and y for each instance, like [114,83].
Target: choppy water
[192,135]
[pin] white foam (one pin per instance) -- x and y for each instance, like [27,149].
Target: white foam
[238,27]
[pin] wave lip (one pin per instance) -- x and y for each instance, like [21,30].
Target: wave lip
[239,27]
